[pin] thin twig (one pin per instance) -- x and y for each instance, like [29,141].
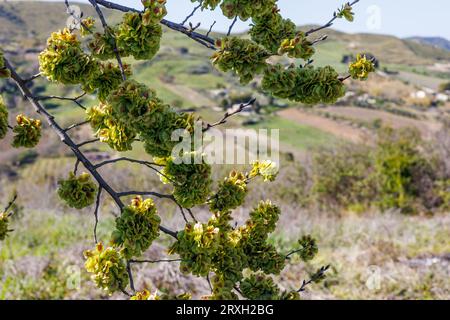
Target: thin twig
[144,193]
[229,114]
[210,28]
[97,206]
[317,275]
[87,142]
[231,26]
[73,126]
[75,169]
[329,23]
[154,261]
[192,13]
[11,203]
[130,276]
[33,77]
[75,100]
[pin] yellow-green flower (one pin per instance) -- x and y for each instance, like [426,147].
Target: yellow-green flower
[108,268]
[27,132]
[346,12]
[361,68]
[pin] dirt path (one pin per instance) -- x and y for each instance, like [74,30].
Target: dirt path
[426,127]
[340,130]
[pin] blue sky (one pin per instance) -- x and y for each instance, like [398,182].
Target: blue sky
[402,18]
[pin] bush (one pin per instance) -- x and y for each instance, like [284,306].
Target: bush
[398,172]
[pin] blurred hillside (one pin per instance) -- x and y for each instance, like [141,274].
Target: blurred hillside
[408,90]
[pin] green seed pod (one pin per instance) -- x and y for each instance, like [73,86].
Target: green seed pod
[290,295]
[222,288]
[231,193]
[361,68]
[4,222]
[197,244]
[192,182]
[155,11]
[266,169]
[108,268]
[102,45]
[245,9]
[265,258]
[299,47]
[306,85]
[242,56]
[118,136]
[208,4]
[132,102]
[3,119]
[259,287]
[27,132]
[265,217]
[78,192]
[64,61]
[4,72]
[308,248]
[138,38]
[108,79]
[137,227]
[346,12]
[271,29]
[158,128]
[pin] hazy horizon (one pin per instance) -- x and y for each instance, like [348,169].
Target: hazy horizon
[374,16]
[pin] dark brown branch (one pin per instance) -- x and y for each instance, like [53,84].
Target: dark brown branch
[130,276]
[329,23]
[342,79]
[33,77]
[154,261]
[75,100]
[229,114]
[315,277]
[192,13]
[144,193]
[97,207]
[75,169]
[231,26]
[210,28]
[101,164]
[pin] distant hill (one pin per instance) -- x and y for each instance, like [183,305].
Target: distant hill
[438,42]
[26,25]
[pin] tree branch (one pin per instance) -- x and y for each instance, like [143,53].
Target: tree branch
[228,115]
[65,138]
[329,23]
[192,13]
